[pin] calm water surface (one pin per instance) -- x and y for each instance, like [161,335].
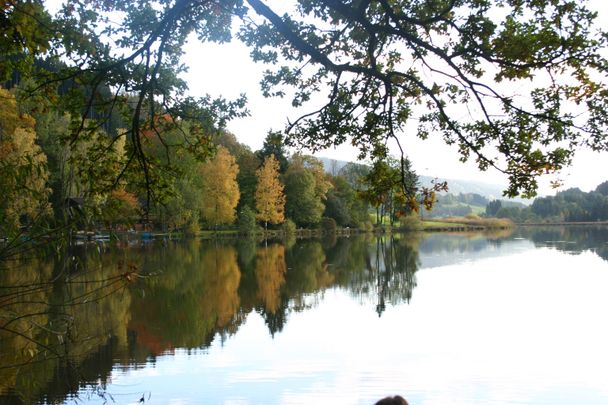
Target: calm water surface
[440,319]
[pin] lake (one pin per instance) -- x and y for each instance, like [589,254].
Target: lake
[507,318]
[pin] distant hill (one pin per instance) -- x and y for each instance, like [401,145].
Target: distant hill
[487,190]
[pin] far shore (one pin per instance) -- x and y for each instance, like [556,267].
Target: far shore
[601,223]
[456,224]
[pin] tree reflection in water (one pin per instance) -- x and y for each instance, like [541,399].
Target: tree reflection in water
[68,321]
[572,239]
[54,312]
[396,265]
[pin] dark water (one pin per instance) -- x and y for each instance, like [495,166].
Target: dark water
[440,319]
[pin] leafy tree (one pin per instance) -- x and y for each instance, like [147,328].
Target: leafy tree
[391,187]
[220,188]
[269,197]
[53,131]
[571,205]
[94,182]
[545,207]
[246,221]
[493,207]
[316,168]
[247,178]
[344,205]
[335,208]
[177,199]
[602,188]
[23,188]
[121,207]
[354,173]
[274,144]
[26,34]
[304,205]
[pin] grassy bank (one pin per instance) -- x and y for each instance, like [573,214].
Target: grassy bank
[411,224]
[471,222]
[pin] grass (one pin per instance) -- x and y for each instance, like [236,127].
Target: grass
[470,221]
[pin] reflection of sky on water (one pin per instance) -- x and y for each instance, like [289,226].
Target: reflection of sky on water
[519,326]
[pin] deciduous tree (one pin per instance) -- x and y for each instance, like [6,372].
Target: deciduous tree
[220,188]
[303,205]
[23,188]
[269,197]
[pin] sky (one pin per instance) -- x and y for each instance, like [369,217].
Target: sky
[228,71]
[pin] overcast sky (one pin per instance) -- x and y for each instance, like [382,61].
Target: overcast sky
[228,71]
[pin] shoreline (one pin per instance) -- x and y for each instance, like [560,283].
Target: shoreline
[582,223]
[304,233]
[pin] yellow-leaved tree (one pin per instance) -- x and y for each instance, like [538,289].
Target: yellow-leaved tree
[220,188]
[23,172]
[269,196]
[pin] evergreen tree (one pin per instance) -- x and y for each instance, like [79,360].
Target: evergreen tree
[274,145]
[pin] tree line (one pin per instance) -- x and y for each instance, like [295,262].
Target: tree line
[571,205]
[55,180]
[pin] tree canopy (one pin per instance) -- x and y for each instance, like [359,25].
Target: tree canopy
[513,84]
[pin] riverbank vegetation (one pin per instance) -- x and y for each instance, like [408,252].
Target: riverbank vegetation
[568,206]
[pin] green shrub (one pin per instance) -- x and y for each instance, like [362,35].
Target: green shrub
[410,222]
[192,229]
[289,227]
[328,224]
[246,221]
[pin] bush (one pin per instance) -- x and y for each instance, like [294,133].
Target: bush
[328,224]
[410,222]
[246,222]
[289,227]
[192,229]
[367,226]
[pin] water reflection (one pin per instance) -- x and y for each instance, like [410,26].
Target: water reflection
[572,239]
[70,320]
[56,313]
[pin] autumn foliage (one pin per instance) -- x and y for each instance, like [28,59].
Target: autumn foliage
[269,197]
